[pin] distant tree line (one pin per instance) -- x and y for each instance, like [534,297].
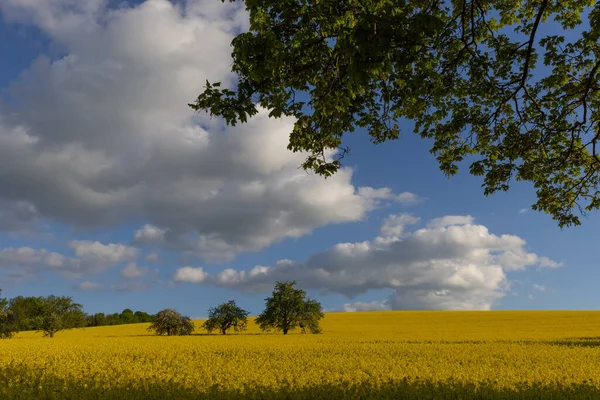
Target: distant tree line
[52,314]
[287,309]
[127,316]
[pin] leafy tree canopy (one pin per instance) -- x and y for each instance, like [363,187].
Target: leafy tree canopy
[7,320]
[288,308]
[170,322]
[58,313]
[226,316]
[462,70]
[142,316]
[3,301]
[25,310]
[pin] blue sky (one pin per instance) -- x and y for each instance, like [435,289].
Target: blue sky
[97,143]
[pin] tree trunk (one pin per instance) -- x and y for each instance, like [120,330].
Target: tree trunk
[224,331]
[51,334]
[285,331]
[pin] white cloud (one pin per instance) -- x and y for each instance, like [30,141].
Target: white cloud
[453,264]
[408,199]
[190,274]
[131,271]
[450,220]
[394,224]
[88,286]
[149,234]
[92,258]
[523,211]
[364,306]
[545,262]
[540,288]
[112,253]
[104,135]
[377,195]
[531,297]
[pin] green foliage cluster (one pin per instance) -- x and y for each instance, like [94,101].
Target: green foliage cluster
[45,314]
[225,316]
[288,308]
[58,313]
[7,320]
[461,70]
[127,316]
[171,323]
[26,310]
[52,314]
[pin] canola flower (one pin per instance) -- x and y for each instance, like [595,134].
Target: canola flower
[386,355]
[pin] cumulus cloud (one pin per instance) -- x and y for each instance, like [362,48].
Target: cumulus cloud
[451,264]
[378,195]
[190,274]
[408,199]
[88,286]
[393,225]
[131,271]
[112,253]
[149,234]
[366,306]
[450,220]
[103,134]
[91,258]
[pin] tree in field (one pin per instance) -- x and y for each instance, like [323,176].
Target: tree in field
[225,316]
[58,313]
[26,310]
[288,308]
[309,319]
[7,324]
[475,76]
[7,320]
[170,322]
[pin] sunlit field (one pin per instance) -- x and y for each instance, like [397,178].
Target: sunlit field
[392,355]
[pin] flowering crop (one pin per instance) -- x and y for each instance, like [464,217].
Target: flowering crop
[400,355]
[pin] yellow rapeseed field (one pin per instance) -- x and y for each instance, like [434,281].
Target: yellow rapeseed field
[390,355]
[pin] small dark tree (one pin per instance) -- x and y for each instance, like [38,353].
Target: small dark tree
[57,314]
[288,308]
[225,316]
[7,320]
[169,322]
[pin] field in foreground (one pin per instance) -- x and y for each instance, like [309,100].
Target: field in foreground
[391,355]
